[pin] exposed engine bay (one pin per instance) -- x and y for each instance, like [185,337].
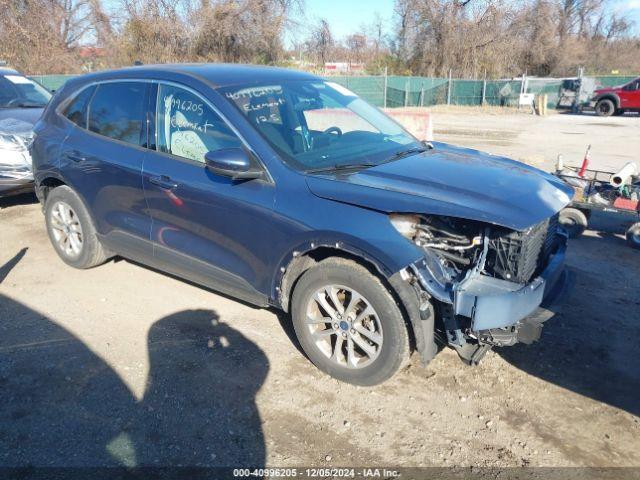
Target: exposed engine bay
[457,249]
[511,255]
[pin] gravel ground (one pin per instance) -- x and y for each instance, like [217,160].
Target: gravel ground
[121,365]
[539,140]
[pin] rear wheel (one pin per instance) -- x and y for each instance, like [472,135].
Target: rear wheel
[633,236]
[573,221]
[348,323]
[605,108]
[71,230]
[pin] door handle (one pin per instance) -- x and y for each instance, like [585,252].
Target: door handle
[75,156]
[163,181]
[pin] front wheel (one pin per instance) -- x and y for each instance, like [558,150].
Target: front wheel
[605,108]
[348,323]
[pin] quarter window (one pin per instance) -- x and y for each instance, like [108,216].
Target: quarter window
[117,111]
[76,111]
[187,127]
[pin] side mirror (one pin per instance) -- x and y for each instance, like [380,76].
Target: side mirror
[231,162]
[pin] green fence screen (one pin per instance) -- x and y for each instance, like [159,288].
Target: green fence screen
[399,91]
[52,82]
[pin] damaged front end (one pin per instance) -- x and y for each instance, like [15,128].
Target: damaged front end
[486,283]
[15,161]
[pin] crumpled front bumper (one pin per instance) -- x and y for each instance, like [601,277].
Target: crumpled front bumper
[16,175]
[493,303]
[14,186]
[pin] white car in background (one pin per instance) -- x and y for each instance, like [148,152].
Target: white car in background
[22,101]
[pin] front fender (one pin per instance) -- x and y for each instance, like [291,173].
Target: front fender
[384,263]
[611,96]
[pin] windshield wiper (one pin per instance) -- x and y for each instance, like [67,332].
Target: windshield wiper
[409,151]
[338,167]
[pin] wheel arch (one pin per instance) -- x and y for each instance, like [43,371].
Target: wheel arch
[421,334]
[609,96]
[48,183]
[301,259]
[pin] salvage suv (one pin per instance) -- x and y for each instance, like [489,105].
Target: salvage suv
[285,190]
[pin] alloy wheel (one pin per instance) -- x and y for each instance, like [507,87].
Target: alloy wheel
[66,229]
[344,326]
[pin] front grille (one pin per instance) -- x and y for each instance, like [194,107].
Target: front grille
[518,256]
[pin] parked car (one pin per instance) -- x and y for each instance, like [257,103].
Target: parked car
[609,101]
[22,101]
[282,189]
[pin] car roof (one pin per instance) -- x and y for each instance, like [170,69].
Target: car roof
[217,74]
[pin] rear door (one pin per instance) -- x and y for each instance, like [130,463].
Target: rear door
[102,157]
[206,227]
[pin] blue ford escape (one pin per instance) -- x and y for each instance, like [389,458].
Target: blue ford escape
[282,189]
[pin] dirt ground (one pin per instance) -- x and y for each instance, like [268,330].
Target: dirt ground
[121,365]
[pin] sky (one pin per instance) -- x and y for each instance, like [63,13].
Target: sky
[346,16]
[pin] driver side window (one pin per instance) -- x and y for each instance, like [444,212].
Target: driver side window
[187,127]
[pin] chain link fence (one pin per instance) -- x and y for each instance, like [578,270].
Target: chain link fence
[400,91]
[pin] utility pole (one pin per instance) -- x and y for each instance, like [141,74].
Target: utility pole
[449,88]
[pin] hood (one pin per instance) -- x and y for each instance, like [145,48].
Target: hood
[600,90]
[30,115]
[451,181]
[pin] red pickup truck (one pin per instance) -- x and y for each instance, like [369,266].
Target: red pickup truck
[617,100]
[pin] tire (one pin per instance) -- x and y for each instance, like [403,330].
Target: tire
[573,221]
[586,213]
[386,339]
[66,215]
[605,108]
[633,236]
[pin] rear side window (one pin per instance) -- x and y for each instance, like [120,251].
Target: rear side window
[76,111]
[187,127]
[117,111]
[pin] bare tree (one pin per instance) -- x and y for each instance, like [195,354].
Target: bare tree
[320,43]
[41,35]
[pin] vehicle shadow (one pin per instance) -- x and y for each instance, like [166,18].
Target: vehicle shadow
[62,405]
[589,347]
[20,199]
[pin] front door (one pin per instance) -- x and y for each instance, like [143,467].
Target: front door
[205,227]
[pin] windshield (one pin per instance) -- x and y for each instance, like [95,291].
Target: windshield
[18,91]
[318,125]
